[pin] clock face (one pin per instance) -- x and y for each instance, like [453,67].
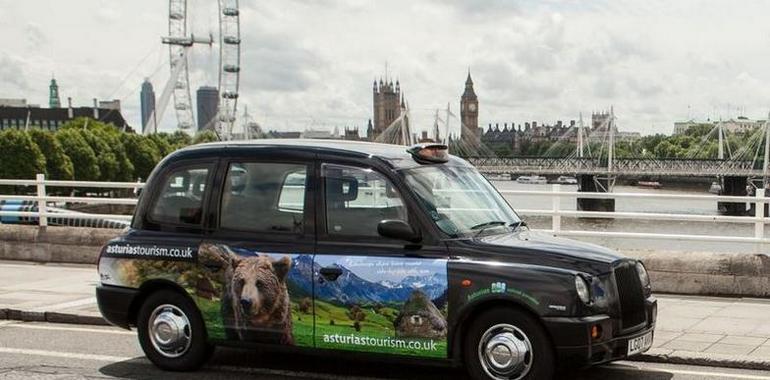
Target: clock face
[472,107]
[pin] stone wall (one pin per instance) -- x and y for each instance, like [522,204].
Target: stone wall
[696,273]
[53,244]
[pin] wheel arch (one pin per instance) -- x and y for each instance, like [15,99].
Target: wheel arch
[146,289]
[471,311]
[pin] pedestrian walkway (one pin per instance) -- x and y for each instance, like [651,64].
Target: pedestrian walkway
[717,327]
[60,288]
[690,329]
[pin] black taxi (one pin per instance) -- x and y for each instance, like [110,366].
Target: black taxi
[383,250]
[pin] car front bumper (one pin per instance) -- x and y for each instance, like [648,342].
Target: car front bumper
[575,347]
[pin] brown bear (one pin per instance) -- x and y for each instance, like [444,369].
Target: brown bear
[255,303]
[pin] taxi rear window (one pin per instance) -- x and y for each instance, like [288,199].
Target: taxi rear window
[264,197]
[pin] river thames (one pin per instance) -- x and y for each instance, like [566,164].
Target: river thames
[664,206]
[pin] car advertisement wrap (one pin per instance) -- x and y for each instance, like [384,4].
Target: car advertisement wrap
[377,304]
[383,304]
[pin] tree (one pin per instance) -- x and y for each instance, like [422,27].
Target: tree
[162,141]
[125,169]
[104,139]
[357,315]
[205,136]
[22,158]
[105,157]
[179,139]
[58,164]
[666,150]
[84,161]
[143,153]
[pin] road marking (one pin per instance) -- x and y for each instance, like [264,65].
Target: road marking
[67,305]
[65,355]
[690,372]
[74,329]
[290,373]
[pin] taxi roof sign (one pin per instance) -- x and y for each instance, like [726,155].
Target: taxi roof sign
[430,153]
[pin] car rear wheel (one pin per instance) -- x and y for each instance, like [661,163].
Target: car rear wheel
[172,333]
[505,344]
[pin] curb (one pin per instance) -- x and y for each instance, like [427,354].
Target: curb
[657,355]
[51,317]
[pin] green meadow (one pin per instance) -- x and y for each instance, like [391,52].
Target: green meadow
[376,324]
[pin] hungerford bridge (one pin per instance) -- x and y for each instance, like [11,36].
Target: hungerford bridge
[738,169]
[738,172]
[619,166]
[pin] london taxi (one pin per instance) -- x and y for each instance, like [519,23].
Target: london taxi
[383,250]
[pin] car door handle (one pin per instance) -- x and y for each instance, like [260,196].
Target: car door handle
[331,273]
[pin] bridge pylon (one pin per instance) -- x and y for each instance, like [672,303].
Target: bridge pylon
[591,183]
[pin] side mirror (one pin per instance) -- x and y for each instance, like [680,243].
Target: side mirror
[398,229]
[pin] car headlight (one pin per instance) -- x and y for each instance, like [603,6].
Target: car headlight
[643,276]
[582,290]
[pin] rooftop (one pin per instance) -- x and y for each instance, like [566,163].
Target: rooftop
[396,154]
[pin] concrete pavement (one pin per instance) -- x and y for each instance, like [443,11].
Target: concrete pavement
[733,332]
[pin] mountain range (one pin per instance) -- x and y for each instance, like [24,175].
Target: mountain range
[350,288]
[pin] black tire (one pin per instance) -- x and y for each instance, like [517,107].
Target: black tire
[197,352]
[542,362]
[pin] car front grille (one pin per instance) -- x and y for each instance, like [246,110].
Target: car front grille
[631,296]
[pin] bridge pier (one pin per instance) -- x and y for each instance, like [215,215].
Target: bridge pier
[733,186]
[589,183]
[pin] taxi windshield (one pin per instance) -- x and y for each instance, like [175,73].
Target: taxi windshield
[460,200]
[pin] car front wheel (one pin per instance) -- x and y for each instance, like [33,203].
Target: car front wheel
[172,333]
[505,344]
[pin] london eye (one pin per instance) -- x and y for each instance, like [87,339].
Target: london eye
[181,41]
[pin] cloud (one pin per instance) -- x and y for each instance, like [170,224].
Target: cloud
[35,35]
[311,63]
[12,75]
[279,64]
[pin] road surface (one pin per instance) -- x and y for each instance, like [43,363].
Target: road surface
[53,351]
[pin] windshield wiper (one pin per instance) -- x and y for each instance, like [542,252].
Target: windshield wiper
[483,226]
[516,225]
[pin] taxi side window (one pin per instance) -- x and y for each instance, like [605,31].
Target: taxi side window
[180,200]
[264,197]
[357,200]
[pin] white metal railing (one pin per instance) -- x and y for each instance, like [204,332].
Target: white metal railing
[556,213]
[42,198]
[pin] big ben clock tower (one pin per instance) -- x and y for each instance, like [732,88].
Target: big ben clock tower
[469,113]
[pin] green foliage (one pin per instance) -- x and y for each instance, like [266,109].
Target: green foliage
[179,139]
[104,140]
[144,154]
[22,159]
[205,136]
[84,161]
[161,141]
[58,164]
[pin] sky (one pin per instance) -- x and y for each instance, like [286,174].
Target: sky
[310,64]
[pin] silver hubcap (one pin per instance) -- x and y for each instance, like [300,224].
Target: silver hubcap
[505,352]
[170,331]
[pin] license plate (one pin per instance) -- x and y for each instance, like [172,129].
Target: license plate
[639,344]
